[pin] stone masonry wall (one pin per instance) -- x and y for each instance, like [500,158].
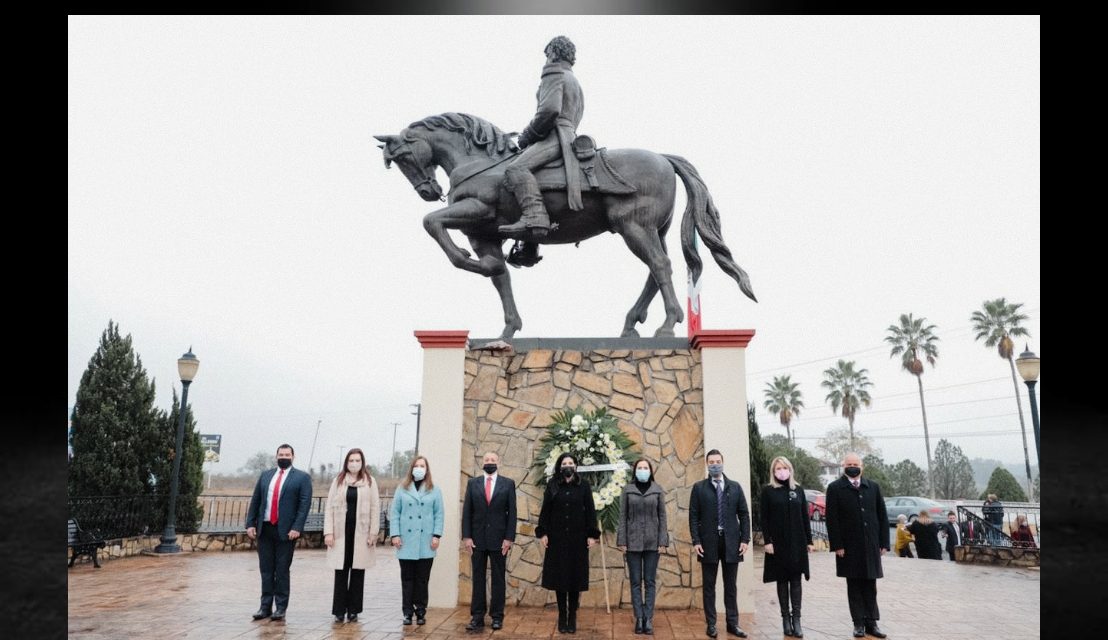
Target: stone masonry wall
[657,396]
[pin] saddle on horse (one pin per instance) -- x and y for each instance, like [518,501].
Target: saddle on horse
[596,171]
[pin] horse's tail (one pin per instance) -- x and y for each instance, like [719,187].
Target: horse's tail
[702,217]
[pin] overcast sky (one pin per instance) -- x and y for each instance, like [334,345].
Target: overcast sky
[225,193]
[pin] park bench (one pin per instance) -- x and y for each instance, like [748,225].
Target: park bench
[84,543]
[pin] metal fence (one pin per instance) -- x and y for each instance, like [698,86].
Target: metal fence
[227,514]
[979,530]
[113,517]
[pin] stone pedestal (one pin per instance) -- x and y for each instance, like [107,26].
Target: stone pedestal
[671,398]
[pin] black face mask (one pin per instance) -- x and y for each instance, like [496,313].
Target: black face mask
[490,468]
[853,472]
[284,463]
[567,472]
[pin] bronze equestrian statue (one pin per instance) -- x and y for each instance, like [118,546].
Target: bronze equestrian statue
[493,189]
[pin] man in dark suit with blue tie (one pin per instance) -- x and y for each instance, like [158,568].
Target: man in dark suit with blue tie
[488,531]
[719,522]
[280,504]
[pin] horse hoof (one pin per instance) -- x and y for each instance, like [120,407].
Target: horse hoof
[664,333]
[629,333]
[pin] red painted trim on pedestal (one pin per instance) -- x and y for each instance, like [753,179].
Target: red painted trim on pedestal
[709,338]
[442,339]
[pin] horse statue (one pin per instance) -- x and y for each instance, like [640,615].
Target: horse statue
[636,201]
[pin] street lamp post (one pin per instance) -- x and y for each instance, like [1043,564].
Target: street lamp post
[1028,365]
[186,367]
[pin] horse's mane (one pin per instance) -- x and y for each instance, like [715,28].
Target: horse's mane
[474,130]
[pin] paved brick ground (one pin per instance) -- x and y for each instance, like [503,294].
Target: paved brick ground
[211,596]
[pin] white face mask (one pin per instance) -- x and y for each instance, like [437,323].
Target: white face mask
[781,474]
[419,472]
[353,467]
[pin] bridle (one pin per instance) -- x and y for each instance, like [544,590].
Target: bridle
[428,177]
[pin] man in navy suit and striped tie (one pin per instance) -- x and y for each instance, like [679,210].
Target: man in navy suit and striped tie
[488,531]
[280,503]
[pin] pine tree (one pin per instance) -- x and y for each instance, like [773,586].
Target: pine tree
[1005,486]
[953,472]
[906,478]
[191,481]
[876,471]
[759,467]
[115,423]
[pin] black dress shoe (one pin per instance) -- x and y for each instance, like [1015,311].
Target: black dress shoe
[734,630]
[278,615]
[711,631]
[421,618]
[648,626]
[408,620]
[873,630]
[497,624]
[859,631]
[338,619]
[475,624]
[264,612]
[638,626]
[351,617]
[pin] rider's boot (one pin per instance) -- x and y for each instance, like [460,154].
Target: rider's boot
[534,223]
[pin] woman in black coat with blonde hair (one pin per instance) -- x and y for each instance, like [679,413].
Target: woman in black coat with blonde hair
[788,539]
[567,530]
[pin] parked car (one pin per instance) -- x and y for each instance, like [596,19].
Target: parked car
[910,506]
[817,504]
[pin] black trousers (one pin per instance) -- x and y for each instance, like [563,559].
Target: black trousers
[349,586]
[274,560]
[414,576]
[862,595]
[568,600]
[709,571]
[480,561]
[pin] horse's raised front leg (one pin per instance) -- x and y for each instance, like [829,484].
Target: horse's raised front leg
[463,213]
[494,249]
[647,245]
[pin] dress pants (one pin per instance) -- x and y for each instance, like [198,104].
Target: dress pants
[274,560]
[862,594]
[643,569]
[709,572]
[414,575]
[349,582]
[481,559]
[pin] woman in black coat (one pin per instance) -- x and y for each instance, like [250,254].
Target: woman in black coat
[567,529]
[788,539]
[926,533]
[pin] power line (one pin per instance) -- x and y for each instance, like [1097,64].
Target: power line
[967,434]
[968,328]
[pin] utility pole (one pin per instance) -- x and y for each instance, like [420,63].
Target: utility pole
[417,413]
[392,461]
[312,455]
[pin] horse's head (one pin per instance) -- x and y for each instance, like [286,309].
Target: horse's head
[416,161]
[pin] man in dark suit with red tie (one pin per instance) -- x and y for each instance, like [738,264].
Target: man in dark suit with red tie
[488,531]
[280,503]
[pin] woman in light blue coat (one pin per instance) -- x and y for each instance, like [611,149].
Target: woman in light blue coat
[415,522]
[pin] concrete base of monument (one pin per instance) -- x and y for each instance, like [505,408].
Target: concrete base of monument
[674,398]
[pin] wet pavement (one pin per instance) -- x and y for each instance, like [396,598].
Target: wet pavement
[212,595]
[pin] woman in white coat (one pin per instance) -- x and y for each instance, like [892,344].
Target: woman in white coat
[350,524]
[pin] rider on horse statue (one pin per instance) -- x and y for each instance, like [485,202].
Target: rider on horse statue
[547,138]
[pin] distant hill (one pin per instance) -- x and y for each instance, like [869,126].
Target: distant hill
[983,468]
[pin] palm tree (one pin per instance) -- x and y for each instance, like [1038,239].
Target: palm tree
[910,340]
[997,323]
[783,400]
[847,390]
